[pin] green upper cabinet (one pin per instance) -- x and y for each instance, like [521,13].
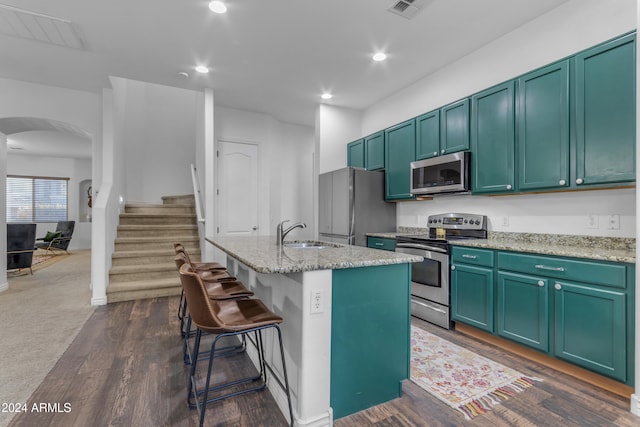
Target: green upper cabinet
[374,151]
[605,98]
[355,154]
[428,135]
[454,127]
[493,140]
[543,128]
[400,151]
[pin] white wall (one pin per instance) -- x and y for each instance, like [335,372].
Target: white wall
[286,165]
[158,136]
[335,126]
[574,26]
[76,170]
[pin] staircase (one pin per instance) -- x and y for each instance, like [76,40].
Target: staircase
[143,259]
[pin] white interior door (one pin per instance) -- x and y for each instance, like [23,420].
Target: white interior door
[238,188]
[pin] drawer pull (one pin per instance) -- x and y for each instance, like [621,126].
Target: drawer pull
[469,256]
[544,267]
[379,244]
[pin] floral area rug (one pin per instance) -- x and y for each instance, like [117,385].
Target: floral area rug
[464,380]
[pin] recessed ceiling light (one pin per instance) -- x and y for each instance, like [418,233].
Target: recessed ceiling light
[217,6]
[202,69]
[326,96]
[380,56]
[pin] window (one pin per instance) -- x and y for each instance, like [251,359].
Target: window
[36,199]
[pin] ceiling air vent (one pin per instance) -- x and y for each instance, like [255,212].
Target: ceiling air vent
[406,8]
[38,27]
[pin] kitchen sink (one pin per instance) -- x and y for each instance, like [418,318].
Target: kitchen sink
[309,244]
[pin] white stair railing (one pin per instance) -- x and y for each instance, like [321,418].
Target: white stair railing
[196,195]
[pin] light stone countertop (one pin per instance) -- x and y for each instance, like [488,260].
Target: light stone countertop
[263,255]
[598,248]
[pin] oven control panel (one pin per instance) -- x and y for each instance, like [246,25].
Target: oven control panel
[458,221]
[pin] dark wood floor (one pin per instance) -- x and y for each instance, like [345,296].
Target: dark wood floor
[125,369]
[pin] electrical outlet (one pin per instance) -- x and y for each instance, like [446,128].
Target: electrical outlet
[592,221]
[505,221]
[317,303]
[614,222]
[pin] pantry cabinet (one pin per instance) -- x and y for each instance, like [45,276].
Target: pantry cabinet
[605,99]
[400,151]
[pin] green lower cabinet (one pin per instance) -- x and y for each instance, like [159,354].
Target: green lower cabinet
[590,328]
[370,336]
[383,243]
[523,309]
[472,296]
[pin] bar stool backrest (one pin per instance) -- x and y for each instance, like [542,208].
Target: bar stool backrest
[203,310]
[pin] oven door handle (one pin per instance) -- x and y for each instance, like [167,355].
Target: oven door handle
[421,247]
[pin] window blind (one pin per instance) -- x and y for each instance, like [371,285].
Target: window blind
[36,199]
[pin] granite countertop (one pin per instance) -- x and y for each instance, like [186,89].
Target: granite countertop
[263,255]
[616,249]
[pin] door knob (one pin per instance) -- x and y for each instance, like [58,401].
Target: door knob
[558,286]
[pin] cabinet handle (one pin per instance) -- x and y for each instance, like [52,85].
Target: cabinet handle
[558,286]
[469,256]
[453,267]
[435,153]
[508,186]
[442,151]
[540,283]
[579,181]
[562,182]
[544,267]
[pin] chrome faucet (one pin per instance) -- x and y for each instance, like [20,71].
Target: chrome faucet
[281,234]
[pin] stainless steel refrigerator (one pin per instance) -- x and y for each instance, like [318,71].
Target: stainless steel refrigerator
[351,204]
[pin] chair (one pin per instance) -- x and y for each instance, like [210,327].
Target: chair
[219,287]
[20,246]
[200,266]
[227,318]
[60,241]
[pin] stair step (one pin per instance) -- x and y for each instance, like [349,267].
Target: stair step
[150,219]
[131,273]
[154,256]
[150,243]
[141,289]
[157,209]
[145,230]
[187,199]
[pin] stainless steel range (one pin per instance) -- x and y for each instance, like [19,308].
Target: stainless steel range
[430,278]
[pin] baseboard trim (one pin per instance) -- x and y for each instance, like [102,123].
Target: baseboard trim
[4,286]
[582,374]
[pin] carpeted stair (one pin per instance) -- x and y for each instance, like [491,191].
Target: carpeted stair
[142,262]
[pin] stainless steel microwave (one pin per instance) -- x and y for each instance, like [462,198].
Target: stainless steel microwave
[442,174]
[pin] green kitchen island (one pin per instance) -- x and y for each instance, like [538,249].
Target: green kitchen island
[346,328]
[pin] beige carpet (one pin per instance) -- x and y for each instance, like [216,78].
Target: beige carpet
[40,315]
